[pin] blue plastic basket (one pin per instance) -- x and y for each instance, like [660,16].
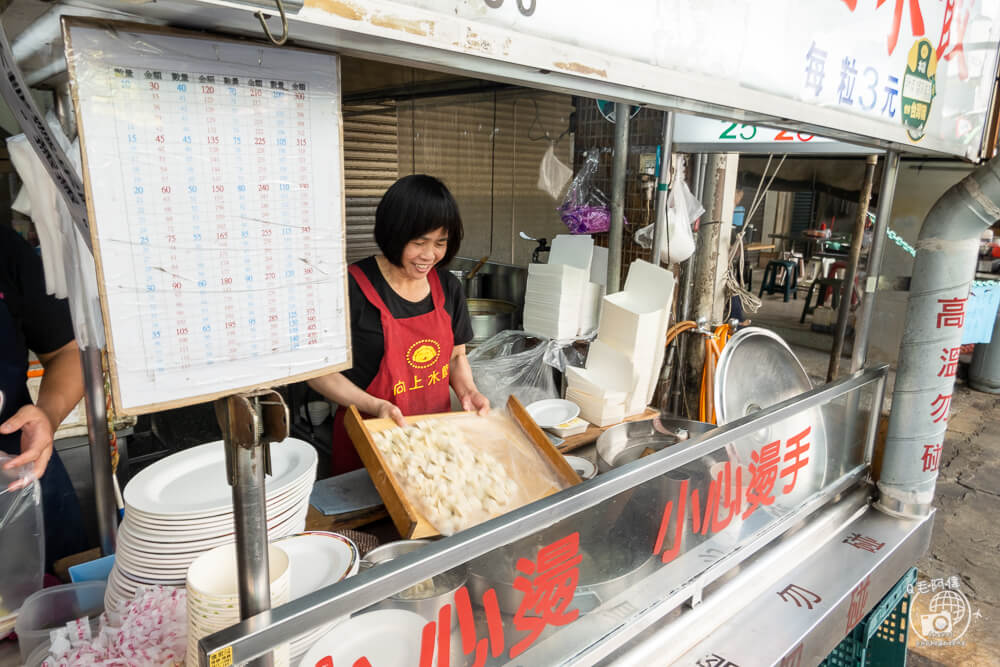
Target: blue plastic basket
[94,570]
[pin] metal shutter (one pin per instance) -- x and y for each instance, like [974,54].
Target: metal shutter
[371,165]
[802,213]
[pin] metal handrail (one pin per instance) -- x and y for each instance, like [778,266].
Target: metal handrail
[261,633]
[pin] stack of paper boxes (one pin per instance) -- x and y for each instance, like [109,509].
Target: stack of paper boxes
[623,364]
[562,299]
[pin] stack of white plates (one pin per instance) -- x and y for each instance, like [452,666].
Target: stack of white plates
[213,599]
[181,507]
[317,560]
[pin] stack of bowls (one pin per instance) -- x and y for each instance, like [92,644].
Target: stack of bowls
[180,507]
[213,599]
[317,560]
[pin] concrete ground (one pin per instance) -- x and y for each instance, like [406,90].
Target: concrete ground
[966,539]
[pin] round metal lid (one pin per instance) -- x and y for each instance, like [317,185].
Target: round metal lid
[757,370]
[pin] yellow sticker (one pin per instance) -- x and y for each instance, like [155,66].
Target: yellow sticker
[223,658]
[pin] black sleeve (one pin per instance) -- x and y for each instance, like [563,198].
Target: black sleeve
[461,324]
[45,319]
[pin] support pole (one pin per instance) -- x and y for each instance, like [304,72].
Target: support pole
[100,452]
[886,193]
[700,164]
[663,188]
[847,290]
[250,422]
[617,228]
[91,359]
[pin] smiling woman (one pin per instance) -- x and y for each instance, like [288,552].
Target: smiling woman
[409,320]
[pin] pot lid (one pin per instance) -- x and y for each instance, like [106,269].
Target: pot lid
[756,370]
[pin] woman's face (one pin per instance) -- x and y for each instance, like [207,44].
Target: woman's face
[422,253]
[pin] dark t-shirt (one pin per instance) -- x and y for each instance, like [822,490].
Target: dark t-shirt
[40,322]
[367,340]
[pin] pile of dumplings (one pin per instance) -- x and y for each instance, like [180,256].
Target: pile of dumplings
[454,484]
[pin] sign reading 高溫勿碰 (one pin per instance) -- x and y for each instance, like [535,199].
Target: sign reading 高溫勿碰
[914,73]
[214,179]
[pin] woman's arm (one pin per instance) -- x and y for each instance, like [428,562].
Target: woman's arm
[337,388]
[460,374]
[61,390]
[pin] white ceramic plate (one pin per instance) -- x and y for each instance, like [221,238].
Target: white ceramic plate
[162,523]
[386,637]
[318,559]
[193,482]
[584,468]
[552,411]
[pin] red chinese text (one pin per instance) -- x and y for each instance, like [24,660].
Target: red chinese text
[952,313]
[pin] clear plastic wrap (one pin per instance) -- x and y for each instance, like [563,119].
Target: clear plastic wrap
[461,469]
[217,210]
[22,539]
[514,363]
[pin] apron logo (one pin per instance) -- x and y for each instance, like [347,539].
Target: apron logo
[423,353]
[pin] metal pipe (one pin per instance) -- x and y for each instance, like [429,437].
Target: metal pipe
[886,194]
[947,250]
[847,289]
[91,356]
[698,174]
[663,188]
[100,453]
[984,372]
[617,228]
[250,514]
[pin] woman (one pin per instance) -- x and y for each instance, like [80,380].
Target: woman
[409,321]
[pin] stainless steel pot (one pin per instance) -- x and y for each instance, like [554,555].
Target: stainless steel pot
[626,442]
[443,586]
[490,317]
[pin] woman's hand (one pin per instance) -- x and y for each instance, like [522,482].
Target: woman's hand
[36,439]
[476,402]
[387,410]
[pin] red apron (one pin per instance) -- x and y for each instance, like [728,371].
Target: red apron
[414,370]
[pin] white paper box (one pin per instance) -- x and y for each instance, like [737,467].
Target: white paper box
[572,250]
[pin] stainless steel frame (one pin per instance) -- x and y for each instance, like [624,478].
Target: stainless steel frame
[261,633]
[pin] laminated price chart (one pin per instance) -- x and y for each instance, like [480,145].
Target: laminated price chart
[215,182]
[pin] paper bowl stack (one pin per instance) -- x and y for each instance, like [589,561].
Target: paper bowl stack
[213,599]
[181,507]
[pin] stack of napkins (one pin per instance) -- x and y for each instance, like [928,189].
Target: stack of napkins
[623,364]
[561,301]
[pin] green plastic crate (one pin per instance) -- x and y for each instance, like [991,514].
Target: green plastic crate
[879,640]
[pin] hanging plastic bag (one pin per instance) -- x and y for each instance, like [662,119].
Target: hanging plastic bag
[585,208]
[513,362]
[683,209]
[553,175]
[22,537]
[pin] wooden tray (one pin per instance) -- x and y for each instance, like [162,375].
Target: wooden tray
[409,521]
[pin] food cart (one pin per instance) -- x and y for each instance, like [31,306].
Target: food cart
[681,557]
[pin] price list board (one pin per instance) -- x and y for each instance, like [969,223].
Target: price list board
[214,178]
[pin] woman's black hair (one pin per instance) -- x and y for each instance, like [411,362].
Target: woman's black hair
[413,206]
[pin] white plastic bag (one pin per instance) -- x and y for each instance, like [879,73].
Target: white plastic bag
[553,175]
[683,209]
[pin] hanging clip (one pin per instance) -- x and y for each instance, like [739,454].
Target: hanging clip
[284,24]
